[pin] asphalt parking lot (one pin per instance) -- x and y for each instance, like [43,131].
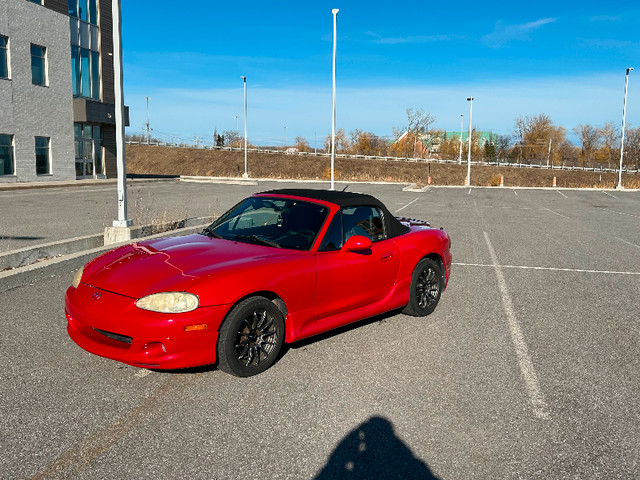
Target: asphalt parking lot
[528,368]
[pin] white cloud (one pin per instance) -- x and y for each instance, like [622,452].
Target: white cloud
[519,32]
[413,39]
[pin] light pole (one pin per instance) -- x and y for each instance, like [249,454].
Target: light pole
[122,221]
[245,174]
[236,122]
[315,143]
[333,105]
[460,154]
[147,120]
[624,115]
[470,100]
[285,136]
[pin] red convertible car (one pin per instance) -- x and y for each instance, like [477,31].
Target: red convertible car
[278,267]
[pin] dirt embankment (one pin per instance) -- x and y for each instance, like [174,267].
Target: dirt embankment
[142,159]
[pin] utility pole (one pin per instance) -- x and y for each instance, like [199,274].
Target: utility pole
[461,126]
[147,120]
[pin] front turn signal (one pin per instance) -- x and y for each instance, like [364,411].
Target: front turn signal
[195,328]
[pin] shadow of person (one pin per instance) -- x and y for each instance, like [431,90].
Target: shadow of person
[372,451]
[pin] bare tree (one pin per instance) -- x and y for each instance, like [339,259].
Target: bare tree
[232,138]
[632,148]
[342,142]
[418,126]
[537,138]
[590,138]
[609,135]
[301,144]
[503,143]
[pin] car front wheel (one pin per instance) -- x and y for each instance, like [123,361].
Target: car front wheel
[250,337]
[425,289]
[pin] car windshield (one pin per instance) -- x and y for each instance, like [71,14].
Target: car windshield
[275,222]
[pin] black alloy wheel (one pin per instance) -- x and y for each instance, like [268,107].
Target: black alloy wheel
[250,337]
[425,289]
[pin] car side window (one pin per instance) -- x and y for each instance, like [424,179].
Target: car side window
[333,238]
[365,221]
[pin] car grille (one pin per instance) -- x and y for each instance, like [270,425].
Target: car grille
[115,336]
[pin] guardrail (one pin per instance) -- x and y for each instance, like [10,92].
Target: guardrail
[497,163]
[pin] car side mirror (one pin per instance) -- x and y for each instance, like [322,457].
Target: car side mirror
[357,243]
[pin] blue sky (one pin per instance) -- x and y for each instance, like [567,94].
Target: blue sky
[564,59]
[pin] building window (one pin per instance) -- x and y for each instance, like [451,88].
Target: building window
[38,65]
[85,48]
[6,155]
[43,157]
[4,57]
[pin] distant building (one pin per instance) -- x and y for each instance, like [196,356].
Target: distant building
[432,143]
[429,143]
[57,101]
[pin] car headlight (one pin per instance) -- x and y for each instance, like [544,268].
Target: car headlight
[169,302]
[77,277]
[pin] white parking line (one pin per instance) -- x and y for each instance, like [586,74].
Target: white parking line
[627,214]
[555,213]
[411,202]
[574,270]
[515,193]
[524,361]
[558,191]
[628,243]
[607,193]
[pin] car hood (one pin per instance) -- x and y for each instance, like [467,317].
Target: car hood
[169,264]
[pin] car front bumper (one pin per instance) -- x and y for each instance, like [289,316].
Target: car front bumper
[111,326]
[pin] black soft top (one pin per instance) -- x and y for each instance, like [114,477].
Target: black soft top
[346,199]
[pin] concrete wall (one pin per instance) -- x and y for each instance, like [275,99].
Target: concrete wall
[28,110]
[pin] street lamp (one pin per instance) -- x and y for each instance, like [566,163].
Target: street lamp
[460,154]
[333,105]
[470,100]
[245,174]
[285,135]
[122,222]
[236,122]
[624,114]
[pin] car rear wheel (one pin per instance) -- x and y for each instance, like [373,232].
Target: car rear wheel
[425,289]
[250,337]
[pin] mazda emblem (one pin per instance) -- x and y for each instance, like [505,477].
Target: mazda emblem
[96,295]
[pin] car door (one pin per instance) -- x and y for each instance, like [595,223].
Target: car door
[350,279]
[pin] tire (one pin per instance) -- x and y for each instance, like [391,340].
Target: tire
[250,337]
[425,289]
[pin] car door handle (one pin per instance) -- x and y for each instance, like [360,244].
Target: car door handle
[386,256]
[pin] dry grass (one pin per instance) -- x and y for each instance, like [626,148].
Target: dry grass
[218,163]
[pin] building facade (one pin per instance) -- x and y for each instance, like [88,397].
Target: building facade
[57,112]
